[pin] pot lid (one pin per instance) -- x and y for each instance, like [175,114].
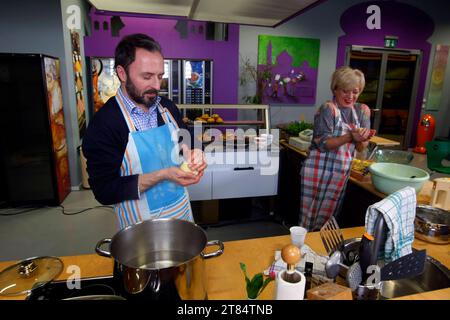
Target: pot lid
[97,297]
[28,274]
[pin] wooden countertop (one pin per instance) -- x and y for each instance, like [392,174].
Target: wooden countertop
[424,195]
[384,142]
[225,278]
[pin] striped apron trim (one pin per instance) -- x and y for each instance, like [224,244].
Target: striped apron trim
[132,211]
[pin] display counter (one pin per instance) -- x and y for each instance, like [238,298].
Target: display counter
[241,163]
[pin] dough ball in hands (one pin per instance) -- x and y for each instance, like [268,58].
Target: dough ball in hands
[185,167]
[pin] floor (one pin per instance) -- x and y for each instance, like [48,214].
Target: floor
[48,232]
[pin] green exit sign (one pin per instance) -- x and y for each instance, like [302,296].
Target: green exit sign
[390,42]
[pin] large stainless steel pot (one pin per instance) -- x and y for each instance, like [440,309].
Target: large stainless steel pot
[432,224]
[161,259]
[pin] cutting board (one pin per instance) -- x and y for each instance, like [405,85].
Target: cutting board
[384,142]
[329,291]
[359,176]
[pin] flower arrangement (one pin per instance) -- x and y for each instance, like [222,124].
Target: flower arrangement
[256,285]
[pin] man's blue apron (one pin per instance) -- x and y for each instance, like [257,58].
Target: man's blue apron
[149,151]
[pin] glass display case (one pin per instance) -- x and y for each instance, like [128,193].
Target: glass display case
[261,117]
[212,122]
[242,154]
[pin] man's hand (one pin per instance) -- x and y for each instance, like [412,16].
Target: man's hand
[173,174]
[182,178]
[195,159]
[196,162]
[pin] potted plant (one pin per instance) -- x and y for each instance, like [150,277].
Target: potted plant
[250,74]
[256,285]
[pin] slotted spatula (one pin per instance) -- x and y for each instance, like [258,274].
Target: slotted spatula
[407,266]
[331,236]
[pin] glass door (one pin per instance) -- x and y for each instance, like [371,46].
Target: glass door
[370,64]
[391,87]
[397,93]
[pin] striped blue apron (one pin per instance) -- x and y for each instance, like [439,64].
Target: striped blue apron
[147,151]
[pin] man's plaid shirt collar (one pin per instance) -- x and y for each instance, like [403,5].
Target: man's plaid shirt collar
[141,119]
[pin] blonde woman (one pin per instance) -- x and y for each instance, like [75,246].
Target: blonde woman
[341,126]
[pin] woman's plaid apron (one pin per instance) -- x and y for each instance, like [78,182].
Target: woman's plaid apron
[324,177]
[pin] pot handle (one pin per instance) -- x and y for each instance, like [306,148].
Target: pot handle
[101,252]
[216,253]
[155,281]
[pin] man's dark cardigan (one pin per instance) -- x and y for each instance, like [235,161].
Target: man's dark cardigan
[104,147]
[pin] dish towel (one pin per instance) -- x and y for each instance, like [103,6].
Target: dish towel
[399,211]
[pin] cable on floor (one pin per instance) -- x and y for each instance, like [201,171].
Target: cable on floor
[83,210]
[14,213]
[10,212]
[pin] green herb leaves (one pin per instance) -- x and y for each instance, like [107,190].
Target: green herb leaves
[256,285]
[294,128]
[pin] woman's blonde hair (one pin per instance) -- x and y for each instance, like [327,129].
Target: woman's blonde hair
[347,78]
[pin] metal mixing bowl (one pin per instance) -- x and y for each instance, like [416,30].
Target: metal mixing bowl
[394,156]
[432,224]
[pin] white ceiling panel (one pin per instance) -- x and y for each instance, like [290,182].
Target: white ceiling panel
[258,12]
[251,12]
[163,7]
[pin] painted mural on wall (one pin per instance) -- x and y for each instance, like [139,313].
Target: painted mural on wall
[57,125]
[437,77]
[78,72]
[287,69]
[105,82]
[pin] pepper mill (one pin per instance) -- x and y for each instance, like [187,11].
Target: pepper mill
[290,284]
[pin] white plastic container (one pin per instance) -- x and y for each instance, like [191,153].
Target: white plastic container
[440,197]
[306,135]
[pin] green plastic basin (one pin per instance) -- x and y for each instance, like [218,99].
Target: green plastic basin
[391,177]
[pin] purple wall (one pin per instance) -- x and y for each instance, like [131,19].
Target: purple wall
[412,27]
[225,54]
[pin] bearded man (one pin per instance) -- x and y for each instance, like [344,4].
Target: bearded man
[129,144]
